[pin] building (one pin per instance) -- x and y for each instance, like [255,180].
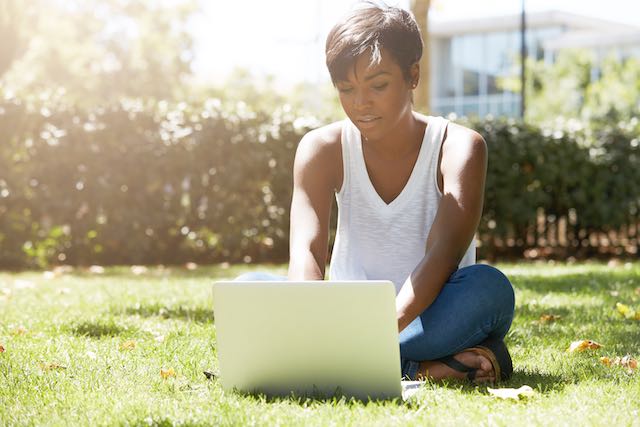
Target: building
[469,58]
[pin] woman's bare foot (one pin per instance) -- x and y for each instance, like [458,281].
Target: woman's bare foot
[438,371]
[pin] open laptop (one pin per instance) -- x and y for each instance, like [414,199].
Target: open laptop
[314,338]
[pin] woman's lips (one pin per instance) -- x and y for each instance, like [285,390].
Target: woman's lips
[367,122]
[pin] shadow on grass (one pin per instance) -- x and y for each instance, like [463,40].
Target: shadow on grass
[99,329]
[191,314]
[542,382]
[311,398]
[528,313]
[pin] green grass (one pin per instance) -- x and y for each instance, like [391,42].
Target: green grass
[80,320]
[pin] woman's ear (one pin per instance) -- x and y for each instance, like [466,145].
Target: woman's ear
[414,72]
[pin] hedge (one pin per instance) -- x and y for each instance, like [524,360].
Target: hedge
[149,182]
[538,177]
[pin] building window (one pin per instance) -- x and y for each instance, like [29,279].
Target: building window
[470,79]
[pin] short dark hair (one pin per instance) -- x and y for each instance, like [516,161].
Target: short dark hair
[371,28]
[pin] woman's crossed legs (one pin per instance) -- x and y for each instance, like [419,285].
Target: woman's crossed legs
[476,303]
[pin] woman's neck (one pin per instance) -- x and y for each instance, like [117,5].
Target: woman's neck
[404,138]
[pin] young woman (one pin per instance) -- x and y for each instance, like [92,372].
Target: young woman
[409,190]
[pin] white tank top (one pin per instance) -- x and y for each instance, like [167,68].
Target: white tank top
[380,241]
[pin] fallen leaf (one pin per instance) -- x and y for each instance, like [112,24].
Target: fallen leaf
[166,373]
[627,362]
[161,269]
[23,284]
[128,345]
[96,269]
[622,308]
[20,330]
[583,345]
[614,262]
[48,366]
[48,275]
[2,350]
[511,393]
[548,318]
[191,266]
[138,269]
[627,312]
[62,269]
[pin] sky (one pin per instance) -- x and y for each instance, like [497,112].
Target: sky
[285,38]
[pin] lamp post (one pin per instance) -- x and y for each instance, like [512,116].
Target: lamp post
[523,59]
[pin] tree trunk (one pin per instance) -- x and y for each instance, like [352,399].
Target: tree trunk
[420,9]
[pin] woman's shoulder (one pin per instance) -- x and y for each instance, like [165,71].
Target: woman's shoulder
[320,151]
[463,145]
[325,136]
[323,142]
[454,131]
[463,135]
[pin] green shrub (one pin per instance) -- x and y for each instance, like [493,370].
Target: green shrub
[592,180]
[150,182]
[144,184]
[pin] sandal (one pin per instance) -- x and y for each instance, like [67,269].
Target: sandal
[493,349]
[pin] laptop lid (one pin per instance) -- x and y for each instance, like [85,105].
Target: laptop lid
[310,338]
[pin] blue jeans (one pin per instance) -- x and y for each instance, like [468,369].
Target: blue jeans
[475,303]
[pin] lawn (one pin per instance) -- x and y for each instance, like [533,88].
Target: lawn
[129,346]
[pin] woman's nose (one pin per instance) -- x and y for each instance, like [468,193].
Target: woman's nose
[361,99]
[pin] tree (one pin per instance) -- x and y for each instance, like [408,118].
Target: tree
[12,31]
[615,95]
[579,86]
[99,51]
[420,9]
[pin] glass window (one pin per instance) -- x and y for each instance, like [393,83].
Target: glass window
[471,82]
[467,58]
[472,64]
[501,60]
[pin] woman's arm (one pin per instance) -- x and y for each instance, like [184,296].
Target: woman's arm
[314,181]
[464,168]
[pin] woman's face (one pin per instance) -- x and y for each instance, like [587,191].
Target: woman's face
[376,97]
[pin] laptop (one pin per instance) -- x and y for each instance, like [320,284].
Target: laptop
[313,338]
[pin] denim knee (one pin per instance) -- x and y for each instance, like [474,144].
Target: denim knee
[496,283]
[497,286]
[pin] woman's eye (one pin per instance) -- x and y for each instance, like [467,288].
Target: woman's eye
[380,86]
[345,90]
